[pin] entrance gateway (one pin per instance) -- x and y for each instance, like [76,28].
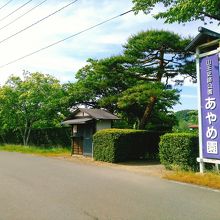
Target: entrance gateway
[207,47]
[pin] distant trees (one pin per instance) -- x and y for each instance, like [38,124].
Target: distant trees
[36,101]
[185,118]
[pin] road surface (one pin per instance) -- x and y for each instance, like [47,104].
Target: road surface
[38,188]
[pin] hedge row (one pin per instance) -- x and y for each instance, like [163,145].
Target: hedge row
[45,137]
[116,145]
[179,151]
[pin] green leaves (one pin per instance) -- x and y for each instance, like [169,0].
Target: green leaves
[179,150]
[101,82]
[116,145]
[158,54]
[181,11]
[131,84]
[36,101]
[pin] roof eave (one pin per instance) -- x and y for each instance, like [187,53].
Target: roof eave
[204,35]
[76,121]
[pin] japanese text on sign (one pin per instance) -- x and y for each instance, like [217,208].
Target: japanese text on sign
[210,109]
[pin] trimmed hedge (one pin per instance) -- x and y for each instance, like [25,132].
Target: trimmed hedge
[44,137]
[116,145]
[179,151]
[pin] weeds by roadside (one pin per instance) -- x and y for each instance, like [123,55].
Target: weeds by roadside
[52,151]
[209,179]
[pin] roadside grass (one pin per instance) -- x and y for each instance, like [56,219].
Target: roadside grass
[209,179]
[50,152]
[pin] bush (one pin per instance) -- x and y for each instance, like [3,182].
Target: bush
[179,150]
[116,145]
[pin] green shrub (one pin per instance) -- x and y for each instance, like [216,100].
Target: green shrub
[179,150]
[116,145]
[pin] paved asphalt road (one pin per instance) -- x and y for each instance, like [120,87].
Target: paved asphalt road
[50,189]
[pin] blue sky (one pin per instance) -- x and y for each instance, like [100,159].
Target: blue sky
[64,59]
[188,98]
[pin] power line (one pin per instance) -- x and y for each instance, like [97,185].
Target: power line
[15,10]
[67,38]
[5,4]
[13,21]
[37,22]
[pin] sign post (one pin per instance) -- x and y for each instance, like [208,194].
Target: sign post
[207,47]
[208,75]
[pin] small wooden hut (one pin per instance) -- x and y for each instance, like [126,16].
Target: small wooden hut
[84,123]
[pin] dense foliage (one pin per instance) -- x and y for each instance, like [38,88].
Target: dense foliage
[134,83]
[116,145]
[35,101]
[185,118]
[179,151]
[181,11]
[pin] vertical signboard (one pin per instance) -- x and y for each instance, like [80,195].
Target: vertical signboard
[210,106]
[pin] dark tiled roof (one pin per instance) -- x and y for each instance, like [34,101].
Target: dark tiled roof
[98,113]
[204,36]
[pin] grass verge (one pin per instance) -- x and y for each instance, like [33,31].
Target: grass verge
[209,179]
[52,151]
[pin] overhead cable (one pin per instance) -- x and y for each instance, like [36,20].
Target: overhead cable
[67,38]
[5,4]
[15,10]
[16,19]
[37,22]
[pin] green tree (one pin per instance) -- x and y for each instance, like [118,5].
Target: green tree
[101,82]
[158,56]
[133,102]
[34,102]
[181,11]
[132,84]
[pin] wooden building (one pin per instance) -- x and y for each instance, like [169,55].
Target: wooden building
[84,123]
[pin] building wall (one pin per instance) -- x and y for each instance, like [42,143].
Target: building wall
[103,124]
[82,138]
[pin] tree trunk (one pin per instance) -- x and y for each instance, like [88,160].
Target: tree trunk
[22,133]
[148,111]
[153,99]
[27,136]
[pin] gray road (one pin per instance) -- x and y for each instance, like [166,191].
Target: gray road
[41,188]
